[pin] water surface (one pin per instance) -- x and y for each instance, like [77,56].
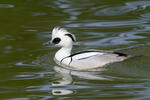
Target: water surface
[27,68]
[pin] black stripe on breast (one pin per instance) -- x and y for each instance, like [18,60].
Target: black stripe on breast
[65,58]
[70,61]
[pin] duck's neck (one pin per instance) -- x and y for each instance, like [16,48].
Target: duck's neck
[62,53]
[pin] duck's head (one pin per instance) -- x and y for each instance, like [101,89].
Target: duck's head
[61,37]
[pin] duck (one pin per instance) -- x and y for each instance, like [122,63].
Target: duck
[82,60]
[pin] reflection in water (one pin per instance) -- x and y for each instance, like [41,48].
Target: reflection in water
[66,78]
[68,73]
[61,92]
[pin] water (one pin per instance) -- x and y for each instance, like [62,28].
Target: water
[27,69]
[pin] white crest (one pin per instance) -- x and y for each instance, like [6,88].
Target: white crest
[61,31]
[58,30]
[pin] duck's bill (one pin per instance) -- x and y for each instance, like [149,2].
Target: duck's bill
[47,43]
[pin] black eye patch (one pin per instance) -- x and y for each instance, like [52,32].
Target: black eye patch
[56,40]
[70,36]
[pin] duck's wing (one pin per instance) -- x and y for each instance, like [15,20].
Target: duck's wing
[94,59]
[85,54]
[101,53]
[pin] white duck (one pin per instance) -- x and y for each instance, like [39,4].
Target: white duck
[83,60]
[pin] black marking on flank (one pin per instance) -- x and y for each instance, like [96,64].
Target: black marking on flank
[86,57]
[56,40]
[120,54]
[71,36]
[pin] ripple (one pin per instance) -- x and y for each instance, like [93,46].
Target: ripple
[6,6]
[138,4]
[38,88]
[8,49]
[28,76]
[146,15]
[6,37]
[121,39]
[107,24]
[119,10]
[21,63]
[19,99]
[114,11]
[39,13]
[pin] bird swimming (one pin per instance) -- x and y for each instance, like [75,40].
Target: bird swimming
[82,60]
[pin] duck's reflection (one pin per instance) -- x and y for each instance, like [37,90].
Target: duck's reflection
[65,76]
[61,92]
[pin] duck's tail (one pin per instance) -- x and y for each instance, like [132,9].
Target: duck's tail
[133,56]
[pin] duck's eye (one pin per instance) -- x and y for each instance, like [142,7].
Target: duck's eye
[56,40]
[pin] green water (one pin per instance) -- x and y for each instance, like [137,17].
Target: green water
[27,69]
